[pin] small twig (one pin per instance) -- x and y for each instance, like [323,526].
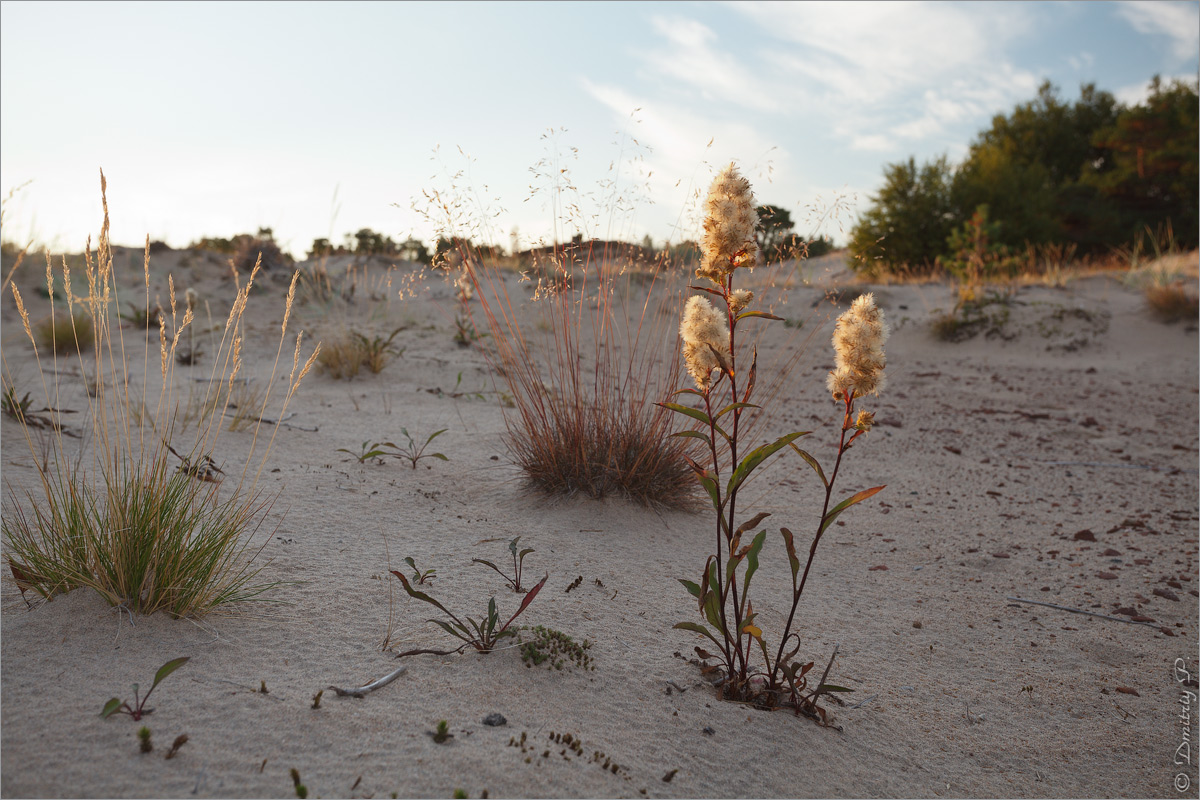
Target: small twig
[361,691]
[1081,611]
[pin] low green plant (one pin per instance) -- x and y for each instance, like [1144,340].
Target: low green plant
[482,635]
[442,734]
[141,318]
[377,350]
[143,735]
[555,647]
[366,451]
[518,559]
[411,452]
[421,577]
[138,709]
[748,671]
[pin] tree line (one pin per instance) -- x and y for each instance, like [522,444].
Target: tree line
[1093,175]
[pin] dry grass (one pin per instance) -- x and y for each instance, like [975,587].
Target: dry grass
[1173,303]
[141,512]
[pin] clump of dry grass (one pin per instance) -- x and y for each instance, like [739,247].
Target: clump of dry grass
[142,513]
[64,335]
[344,355]
[252,251]
[1172,302]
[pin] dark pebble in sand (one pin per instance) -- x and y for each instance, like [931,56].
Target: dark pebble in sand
[495,720]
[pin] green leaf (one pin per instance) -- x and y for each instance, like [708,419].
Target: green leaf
[812,462]
[435,434]
[110,708]
[409,560]
[692,587]
[734,407]
[451,629]
[442,456]
[686,391]
[712,612]
[167,668]
[688,411]
[696,627]
[762,314]
[695,435]
[756,457]
[829,687]
[521,555]
[713,490]
[752,563]
[849,501]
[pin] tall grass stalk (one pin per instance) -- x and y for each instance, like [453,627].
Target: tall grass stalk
[141,513]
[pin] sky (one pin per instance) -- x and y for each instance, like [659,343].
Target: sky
[536,119]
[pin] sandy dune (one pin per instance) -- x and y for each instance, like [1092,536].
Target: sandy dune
[1054,461]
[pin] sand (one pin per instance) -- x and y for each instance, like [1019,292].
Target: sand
[1053,461]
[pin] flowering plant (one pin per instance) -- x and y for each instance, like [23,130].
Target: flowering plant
[725,391]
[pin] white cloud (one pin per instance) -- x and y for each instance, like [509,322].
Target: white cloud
[1180,22]
[1137,93]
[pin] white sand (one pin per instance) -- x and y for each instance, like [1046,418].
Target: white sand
[995,454]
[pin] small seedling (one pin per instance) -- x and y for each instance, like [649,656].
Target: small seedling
[376,350]
[301,789]
[138,709]
[317,699]
[482,635]
[443,734]
[460,793]
[144,739]
[574,584]
[420,577]
[262,688]
[367,451]
[412,453]
[179,742]
[518,561]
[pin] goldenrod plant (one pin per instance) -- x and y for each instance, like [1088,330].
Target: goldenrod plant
[749,671]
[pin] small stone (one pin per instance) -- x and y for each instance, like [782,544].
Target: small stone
[1106,576]
[1166,593]
[917,624]
[875,569]
[495,720]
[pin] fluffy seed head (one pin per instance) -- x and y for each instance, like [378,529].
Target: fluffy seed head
[191,298]
[858,341]
[740,299]
[729,224]
[703,330]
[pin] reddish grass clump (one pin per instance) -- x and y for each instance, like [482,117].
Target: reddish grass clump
[1171,302]
[585,381]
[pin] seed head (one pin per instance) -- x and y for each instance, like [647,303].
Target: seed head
[740,299]
[858,341]
[703,330]
[729,223]
[191,298]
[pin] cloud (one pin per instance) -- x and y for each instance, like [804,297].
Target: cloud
[1179,22]
[1137,93]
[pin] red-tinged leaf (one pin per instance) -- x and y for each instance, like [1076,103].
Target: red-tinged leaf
[166,669]
[759,517]
[849,501]
[700,651]
[734,407]
[793,561]
[527,600]
[110,708]
[752,377]
[761,314]
[424,598]
[717,292]
[756,457]
[687,411]
[696,627]
[812,462]
[685,391]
